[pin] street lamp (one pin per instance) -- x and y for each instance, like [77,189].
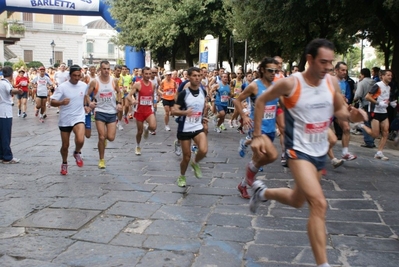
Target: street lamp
[52,46]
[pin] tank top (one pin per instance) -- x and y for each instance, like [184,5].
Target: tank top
[169,89]
[269,114]
[105,94]
[196,103]
[307,116]
[145,98]
[156,85]
[237,88]
[222,95]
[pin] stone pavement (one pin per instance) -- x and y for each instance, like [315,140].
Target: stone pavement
[133,214]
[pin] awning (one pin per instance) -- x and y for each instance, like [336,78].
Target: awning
[8,54]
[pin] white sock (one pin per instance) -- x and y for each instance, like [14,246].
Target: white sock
[262,194]
[324,265]
[345,150]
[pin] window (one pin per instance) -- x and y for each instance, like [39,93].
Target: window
[58,57]
[28,19]
[58,21]
[111,49]
[89,47]
[28,56]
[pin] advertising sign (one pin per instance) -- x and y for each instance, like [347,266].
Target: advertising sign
[70,5]
[208,51]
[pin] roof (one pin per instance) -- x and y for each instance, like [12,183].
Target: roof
[99,24]
[8,54]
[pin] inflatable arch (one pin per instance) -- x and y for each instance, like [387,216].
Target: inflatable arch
[134,59]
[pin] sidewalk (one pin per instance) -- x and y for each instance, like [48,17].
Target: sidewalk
[133,213]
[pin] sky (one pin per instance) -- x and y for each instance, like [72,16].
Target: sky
[86,19]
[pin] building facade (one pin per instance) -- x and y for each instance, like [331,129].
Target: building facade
[48,38]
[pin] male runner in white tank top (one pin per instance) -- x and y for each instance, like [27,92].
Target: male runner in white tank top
[310,99]
[107,102]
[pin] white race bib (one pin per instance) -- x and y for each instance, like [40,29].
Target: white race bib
[269,112]
[316,132]
[146,100]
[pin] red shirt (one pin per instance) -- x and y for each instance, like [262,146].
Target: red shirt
[22,83]
[177,80]
[145,97]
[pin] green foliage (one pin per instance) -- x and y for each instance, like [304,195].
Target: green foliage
[8,63]
[56,65]
[168,27]
[34,64]
[19,64]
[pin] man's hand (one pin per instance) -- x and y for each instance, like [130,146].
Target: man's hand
[189,112]
[65,101]
[93,105]
[246,121]
[357,115]
[119,107]
[258,145]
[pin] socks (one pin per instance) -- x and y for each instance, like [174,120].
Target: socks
[345,150]
[324,265]
[262,194]
[252,167]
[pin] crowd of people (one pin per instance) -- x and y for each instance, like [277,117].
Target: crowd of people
[263,104]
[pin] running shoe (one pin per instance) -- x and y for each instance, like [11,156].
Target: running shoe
[380,156]
[36,113]
[44,116]
[64,169]
[177,148]
[19,113]
[348,157]
[258,187]
[222,127]
[235,123]
[41,120]
[218,130]
[145,135]
[194,149]
[78,159]
[283,160]
[231,124]
[153,133]
[138,151]
[250,176]
[101,164]
[196,169]
[24,115]
[243,191]
[167,128]
[120,127]
[181,181]
[337,162]
[125,120]
[130,116]
[242,149]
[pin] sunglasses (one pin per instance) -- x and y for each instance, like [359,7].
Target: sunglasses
[154,73]
[239,73]
[272,70]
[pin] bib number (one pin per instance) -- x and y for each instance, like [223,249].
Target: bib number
[169,92]
[195,117]
[106,97]
[269,112]
[224,98]
[146,100]
[316,132]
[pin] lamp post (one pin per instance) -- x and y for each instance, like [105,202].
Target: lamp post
[52,46]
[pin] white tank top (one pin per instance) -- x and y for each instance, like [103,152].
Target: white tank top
[106,96]
[308,115]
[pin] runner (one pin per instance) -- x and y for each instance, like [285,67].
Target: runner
[222,90]
[144,110]
[106,93]
[191,108]
[22,82]
[70,96]
[41,84]
[310,99]
[267,70]
[168,90]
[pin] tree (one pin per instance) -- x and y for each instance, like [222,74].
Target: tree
[34,64]
[168,27]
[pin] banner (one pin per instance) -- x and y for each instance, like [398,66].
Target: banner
[208,51]
[70,5]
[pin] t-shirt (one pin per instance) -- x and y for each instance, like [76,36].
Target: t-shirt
[5,99]
[23,83]
[61,77]
[42,83]
[74,112]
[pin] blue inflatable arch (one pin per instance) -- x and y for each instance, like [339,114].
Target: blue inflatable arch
[133,58]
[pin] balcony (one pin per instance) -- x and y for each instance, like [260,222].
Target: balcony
[54,27]
[14,29]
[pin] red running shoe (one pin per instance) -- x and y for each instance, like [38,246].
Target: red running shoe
[243,191]
[64,169]
[126,120]
[78,159]
[250,176]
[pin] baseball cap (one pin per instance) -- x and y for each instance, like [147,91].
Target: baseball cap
[42,68]
[85,67]
[168,72]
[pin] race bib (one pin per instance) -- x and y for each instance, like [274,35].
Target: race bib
[195,117]
[224,98]
[316,132]
[237,91]
[106,97]
[269,112]
[169,92]
[146,100]
[24,83]
[41,82]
